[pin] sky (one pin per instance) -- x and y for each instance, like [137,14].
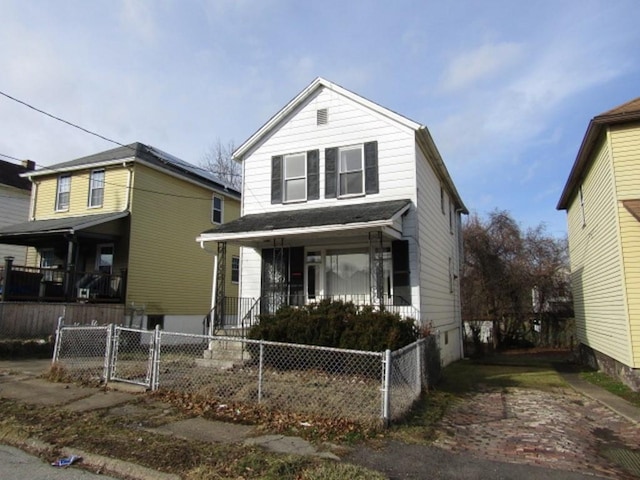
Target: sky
[506,88]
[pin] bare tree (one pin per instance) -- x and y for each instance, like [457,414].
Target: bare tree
[509,277]
[218,161]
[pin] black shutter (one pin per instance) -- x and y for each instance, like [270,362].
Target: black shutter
[401,274]
[313,175]
[330,172]
[371,167]
[276,179]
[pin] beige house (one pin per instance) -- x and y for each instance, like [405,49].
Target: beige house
[602,200]
[117,228]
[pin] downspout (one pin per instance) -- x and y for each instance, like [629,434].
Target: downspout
[129,183]
[34,200]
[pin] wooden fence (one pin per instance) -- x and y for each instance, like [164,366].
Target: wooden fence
[39,320]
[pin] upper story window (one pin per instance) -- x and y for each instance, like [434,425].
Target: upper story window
[295,177]
[96,188]
[216,210]
[351,171]
[63,193]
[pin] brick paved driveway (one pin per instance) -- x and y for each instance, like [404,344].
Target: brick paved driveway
[561,429]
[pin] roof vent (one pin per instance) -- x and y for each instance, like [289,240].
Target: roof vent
[322,116]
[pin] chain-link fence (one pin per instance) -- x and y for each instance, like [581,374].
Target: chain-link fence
[368,387]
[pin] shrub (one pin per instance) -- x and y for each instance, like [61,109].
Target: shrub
[336,324]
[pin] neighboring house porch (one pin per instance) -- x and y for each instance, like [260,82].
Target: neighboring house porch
[79,260]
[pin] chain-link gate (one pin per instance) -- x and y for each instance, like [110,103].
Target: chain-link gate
[132,356]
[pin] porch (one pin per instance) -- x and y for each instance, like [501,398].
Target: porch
[41,284]
[73,259]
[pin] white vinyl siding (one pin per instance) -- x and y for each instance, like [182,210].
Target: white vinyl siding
[596,265]
[439,258]
[351,124]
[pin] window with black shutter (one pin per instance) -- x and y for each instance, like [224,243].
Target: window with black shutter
[401,272]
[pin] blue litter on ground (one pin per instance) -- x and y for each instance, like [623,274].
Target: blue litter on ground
[66,461]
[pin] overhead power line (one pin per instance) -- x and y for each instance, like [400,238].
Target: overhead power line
[61,119]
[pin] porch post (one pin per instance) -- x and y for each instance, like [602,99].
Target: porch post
[376,259]
[220,281]
[6,281]
[70,270]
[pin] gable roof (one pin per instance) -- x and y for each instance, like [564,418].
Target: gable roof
[146,154]
[10,175]
[625,113]
[423,137]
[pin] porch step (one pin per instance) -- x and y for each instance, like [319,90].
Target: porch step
[223,354]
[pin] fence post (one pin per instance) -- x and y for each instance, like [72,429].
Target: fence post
[260,364]
[56,344]
[419,346]
[386,388]
[108,358]
[155,365]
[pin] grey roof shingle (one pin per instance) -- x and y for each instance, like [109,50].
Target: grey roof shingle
[314,217]
[59,225]
[149,154]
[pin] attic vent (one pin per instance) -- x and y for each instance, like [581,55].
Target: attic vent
[322,116]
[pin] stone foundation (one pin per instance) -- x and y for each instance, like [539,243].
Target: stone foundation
[599,361]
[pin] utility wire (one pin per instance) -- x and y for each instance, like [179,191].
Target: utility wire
[108,140]
[61,119]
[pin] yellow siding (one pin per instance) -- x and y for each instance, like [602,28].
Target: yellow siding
[168,271]
[115,194]
[596,264]
[625,145]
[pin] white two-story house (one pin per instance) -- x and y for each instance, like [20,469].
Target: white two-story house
[345,199]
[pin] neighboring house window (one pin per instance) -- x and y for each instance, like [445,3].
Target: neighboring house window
[295,177]
[96,188]
[450,276]
[351,170]
[216,213]
[450,217]
[104,258]
[47,263]
[442,199]
[235,269]
[584,219]
[63,193]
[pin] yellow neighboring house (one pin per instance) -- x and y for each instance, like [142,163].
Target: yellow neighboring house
[117,227]
[602,200]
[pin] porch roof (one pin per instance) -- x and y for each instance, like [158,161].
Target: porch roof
[333,220]
[26,233]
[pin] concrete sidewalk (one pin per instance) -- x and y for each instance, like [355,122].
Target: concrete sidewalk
[20,381]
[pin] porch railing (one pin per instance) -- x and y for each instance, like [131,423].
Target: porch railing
[22,283]
[241,313]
